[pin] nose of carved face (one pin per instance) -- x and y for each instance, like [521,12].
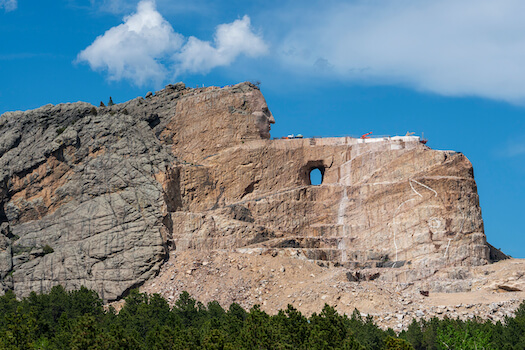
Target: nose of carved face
[270,118]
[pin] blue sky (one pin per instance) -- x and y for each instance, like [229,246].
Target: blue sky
[453,69]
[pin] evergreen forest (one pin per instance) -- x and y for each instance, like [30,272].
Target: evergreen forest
[78,320]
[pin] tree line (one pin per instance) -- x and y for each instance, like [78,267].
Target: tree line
[77,319]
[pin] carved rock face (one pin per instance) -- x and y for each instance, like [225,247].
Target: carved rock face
[263,116]
[100,196]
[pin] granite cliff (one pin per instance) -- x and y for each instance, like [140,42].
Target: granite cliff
[103,196]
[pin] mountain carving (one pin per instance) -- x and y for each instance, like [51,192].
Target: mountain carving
[103,196]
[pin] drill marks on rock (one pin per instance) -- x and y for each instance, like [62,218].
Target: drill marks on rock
[446,250]
[416,193]
[425,186]
[269,196]
[394,224]
[464,217]
[345,179]
[341,221]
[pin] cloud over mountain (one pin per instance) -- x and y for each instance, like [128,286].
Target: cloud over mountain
[230,41]
[145,48]
[449,47]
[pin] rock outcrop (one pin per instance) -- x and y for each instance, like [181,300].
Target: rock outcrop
[100,196]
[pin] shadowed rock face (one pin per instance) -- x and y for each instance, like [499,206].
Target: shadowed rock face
[100,196]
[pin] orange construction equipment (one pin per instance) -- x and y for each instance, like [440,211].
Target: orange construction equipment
[365,136]
[423,139]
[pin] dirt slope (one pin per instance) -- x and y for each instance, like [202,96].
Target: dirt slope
[275,281]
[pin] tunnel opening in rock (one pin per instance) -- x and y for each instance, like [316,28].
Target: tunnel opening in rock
[312,173]
[316,177]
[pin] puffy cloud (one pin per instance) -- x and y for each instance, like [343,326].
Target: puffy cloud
[449,47]
[145,48]
[9,5]
[230,41]
[134,50]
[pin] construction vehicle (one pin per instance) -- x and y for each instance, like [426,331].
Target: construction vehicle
[292,136]
[365,136]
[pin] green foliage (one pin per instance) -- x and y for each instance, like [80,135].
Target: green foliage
[257,332]
[462,335]
[367,332]
[60,130]
[47,249]
[20,330]
[76,319]
[292,326]
[110,103]
[93,111]
[414,335]
[328,329]
[392,343]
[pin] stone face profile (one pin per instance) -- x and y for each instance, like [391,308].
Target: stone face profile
[114,193]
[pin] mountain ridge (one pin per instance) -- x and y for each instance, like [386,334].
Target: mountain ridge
[104,196]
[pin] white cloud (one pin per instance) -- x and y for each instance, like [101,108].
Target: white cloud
[145,48]
[449,47]
[134,50]
[9,5]
[230,41]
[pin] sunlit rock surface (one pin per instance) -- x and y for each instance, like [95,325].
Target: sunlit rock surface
[101,196]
